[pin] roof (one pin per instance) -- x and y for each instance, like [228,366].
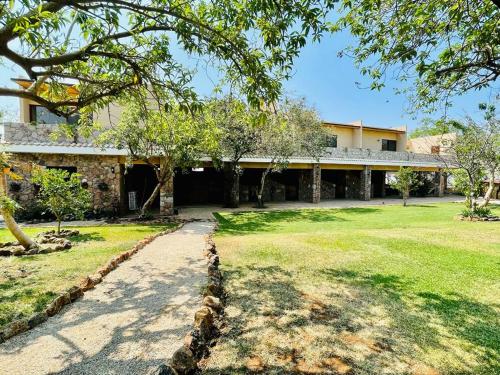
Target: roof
[358,126]
[26,83]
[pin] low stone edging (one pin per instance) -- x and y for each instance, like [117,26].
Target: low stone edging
[478,218]
[76,291]
[207,321]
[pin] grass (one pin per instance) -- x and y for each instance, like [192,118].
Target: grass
[28,284]
[369,290]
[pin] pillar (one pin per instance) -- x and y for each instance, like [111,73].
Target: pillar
[231,185]
[439,184]
[316,183]
[167,196]
[366,183]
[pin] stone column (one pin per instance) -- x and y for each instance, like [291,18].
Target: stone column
[366,183]
[316,183]
[167,197]
[231,185]
[439,184]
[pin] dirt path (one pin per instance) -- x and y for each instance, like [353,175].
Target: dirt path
[131,322]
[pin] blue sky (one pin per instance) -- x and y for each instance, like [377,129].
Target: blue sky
[329,84]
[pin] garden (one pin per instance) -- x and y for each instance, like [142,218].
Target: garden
[366,290]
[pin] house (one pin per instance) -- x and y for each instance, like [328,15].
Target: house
[432,144]
[354,167]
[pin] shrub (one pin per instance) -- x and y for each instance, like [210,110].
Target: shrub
[478,212]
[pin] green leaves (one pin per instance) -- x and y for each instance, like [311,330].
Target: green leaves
[451,45]
[112,47]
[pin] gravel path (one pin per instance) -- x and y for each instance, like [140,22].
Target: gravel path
[131,322]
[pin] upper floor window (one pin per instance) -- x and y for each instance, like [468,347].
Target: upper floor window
[42,115]
[388,145]
[435,149]
[331,141]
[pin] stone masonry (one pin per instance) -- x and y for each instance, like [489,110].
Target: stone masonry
[366,183]
[310,184]
[101,174]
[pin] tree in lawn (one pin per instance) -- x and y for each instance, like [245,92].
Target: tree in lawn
[405,180]
[61,193]
[475,151]
[442,48]
[162,139]
[9,206]
[294,129]
[239,133]
[109,47]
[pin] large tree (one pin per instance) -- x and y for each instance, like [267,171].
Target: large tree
[109,46]
[441,47]
[163,139]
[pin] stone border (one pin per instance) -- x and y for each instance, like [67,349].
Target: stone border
[76,291]
[207,321]
[478,218]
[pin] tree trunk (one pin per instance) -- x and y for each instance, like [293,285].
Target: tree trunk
[10,222]
[16,231]
[58,226]
[405,198]
[260,194]
[146,206]
[232,195]
[491,187]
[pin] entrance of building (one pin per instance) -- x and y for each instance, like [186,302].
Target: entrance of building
[198,186]
[140,181]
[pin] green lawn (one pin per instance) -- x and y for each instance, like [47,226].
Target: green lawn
[28,284]
[371,290]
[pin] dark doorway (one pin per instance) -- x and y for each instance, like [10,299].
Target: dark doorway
[140,181]
[378,184]
[198,186]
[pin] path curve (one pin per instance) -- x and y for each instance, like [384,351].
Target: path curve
[131,322]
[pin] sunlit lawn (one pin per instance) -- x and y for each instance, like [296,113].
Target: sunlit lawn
[375,290]
[28,284]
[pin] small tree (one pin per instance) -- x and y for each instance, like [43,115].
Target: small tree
[405,180]
[239,131]
[294,129]
[163,138]
[475,150]
[61,193]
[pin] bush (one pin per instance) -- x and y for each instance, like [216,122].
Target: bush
[478,212]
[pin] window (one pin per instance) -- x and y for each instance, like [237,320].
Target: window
[42,115]
[435,149]
[331,141]
[388,145]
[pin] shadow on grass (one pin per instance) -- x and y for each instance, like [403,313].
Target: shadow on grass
[85,237]
[246,222]
[463,317]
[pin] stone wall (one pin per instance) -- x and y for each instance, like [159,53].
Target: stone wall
[366,183]
[353,185]
[102,174]
[310,184]
[327,190]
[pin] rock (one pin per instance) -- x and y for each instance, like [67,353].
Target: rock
[183,361]
[213,302]
[95,278]
[75,292]
[57,304]
[37,319]
[213,289]
[5,253]
[214,272]
[18,251]
[214,260]
[86,284]
[163,370]
[204,322]
[15,328]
